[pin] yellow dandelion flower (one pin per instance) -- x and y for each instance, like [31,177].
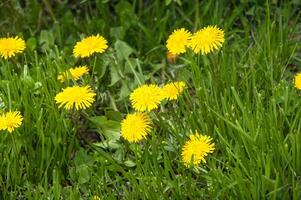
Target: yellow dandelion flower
[146,97]
[74,73]
[11,46]
[178,41]
[90,45]
[12,120]
[2,122]
[80,97]
[196,149]
[96,197]
[207,39]
[135,127]
[171,91]
[297,80]
[171,58]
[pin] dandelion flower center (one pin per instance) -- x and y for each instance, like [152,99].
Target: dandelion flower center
[90,45]
[207,39]
[76,96]
[196,149]
[11,46]
[146,97]
[177,41]
[172,90]
[135,127]
[297,81]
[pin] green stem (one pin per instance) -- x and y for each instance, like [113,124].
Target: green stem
[95,59]
[195,69]
[133,70]
[15,146]
[9,97]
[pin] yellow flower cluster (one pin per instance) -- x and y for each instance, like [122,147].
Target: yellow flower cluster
[80,97]
[205,40]
[74,73]
[144,99]
[10,120]
[148,97]
[136,126]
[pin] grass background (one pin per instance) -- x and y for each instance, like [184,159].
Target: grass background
[242,96]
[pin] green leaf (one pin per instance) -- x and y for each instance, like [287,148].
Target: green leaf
[115,77]
[110,128]
[31,43]
[46,40]
[108,144]
[167,2]
[83,174]
[82,157]
[114,115]
[117,32]
[124,92]
[129,163]
[123,50]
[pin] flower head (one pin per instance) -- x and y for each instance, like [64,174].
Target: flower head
[96,197]
[172,90]
[196,149]
[146,97]
[135,127]
[80,97]
[10,46]
[2,122]
[74,73]
[207,39]
[11,121]
[171,58]
[297,80]
[90,45]
[178,41]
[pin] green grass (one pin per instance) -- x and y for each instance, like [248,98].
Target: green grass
[242,96]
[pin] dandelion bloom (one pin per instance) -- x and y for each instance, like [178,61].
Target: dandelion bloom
[178,41]
[96,198]
[135,127]
[74,73]
[80,97]
[207,39]
[196,149]
[10,46]
[171,58]
[297,81]
[146,97]
[90,45]
[12,120]
[2,122]
[172,90]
